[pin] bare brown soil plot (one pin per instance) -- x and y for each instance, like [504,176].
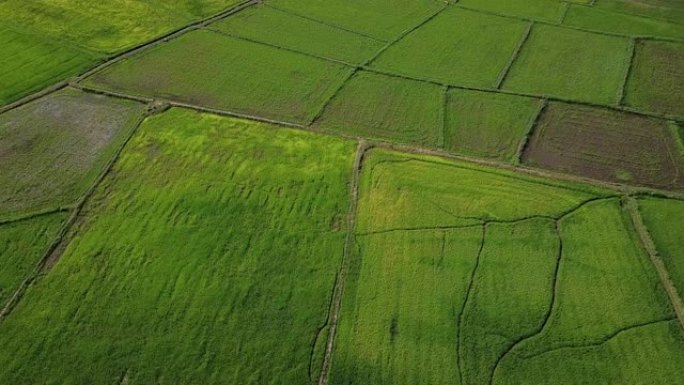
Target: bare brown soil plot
[606,145]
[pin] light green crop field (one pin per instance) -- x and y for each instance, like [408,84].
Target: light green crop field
[606,21]
[207,255]
[549,64]
[54,148]
[544,10]
[22,245]
[389,108]
[381,19]
[260,80]
[664,220]
[474,54]
[488,125]
[28,63]
[283,29]
[656,82]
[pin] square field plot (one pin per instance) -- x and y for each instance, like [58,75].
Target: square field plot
[487,124]
[570,64]
[470,275]
[381,19]
[385,107]
[28,64]
[656,82]
[606,145]
[457,47]
[52,149]
[206,256]
[281,28]
[214,70]
[544,10]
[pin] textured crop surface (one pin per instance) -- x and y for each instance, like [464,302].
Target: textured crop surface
[656,82]
[543,10]
[487,124]
[214,70]
[457,47]
[273,26]
[206,256]
[22,245]
[668,10]
[389,108]
[604,21]
[665,220]
[570,64]
[52,149]
[607,145]
[28,63]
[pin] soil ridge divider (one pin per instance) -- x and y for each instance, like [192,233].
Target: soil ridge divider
[338,291]
[525,141]
[632,207]
[55,249]
[514,56]
[622,92]
[35,214]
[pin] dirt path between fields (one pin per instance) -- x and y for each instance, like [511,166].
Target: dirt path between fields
[647,242]
[334,313]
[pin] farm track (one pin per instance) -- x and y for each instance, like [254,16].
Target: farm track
[55,249]
[338,291]
[632,207]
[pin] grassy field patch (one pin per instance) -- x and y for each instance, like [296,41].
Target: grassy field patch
[457,47]
[606,21]
[669,10]
[389,108]
[213,70]
[543,10]
[52,149]
[570,64]
[270,25]
[206,256]
[487,124]
[607,145]
[656,82]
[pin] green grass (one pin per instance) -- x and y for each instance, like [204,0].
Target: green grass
[54,148]
[457,47]
[489,125]
[28,64]
[605,21]
[213,70]
[656,82]
[382,19]
[543,10]
[570,64]
[207,256]
[106,26]
[388,108]
[269,25]
[606,292]
[664,220]
[401,190]
[511,293]
[668,10]
[22,245]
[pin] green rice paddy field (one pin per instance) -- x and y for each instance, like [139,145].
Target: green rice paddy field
[361,192]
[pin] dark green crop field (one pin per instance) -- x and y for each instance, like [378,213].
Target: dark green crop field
[358,192]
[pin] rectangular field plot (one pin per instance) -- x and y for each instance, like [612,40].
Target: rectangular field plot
[485,124]
[656,82]
[665,221]
[22,245]
[570,64]
[606,145]
[382,19]
[28,64]
[457,47]
[207,256]
[213,70]
[544,10]
[270,25]
[52,149]
[599,20]
[468,275]
[384,107]
[667,10]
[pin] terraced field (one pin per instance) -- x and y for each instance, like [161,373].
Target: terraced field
[324,192]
